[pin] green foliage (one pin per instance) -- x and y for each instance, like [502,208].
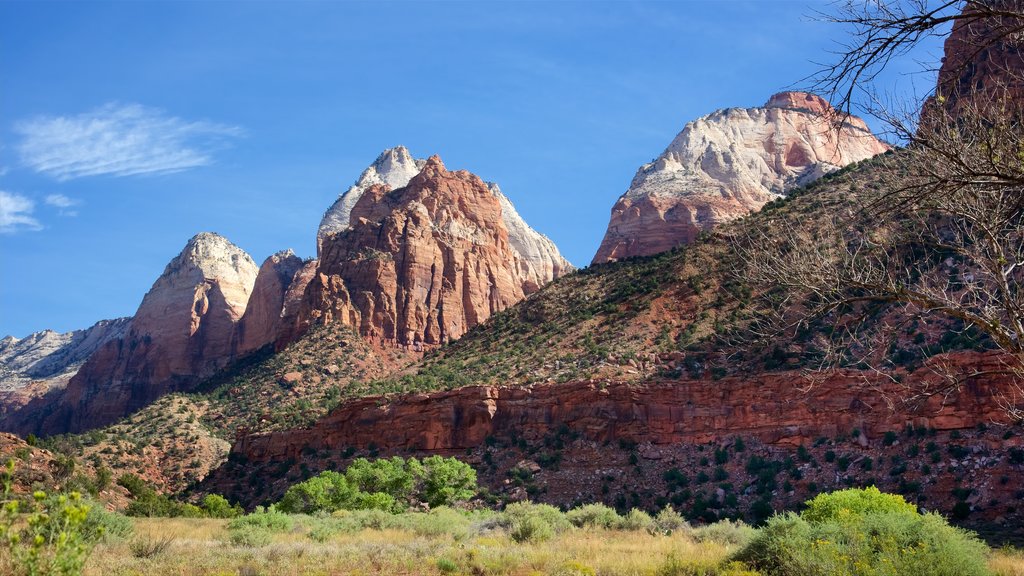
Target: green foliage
[329,491]
[447,481]
[725,532]
[217,506]
[863,534]
[593,516]
[270,520]
[636,519]
[528,522]
[386,484]
[45,537]
[855,501]
[668,521]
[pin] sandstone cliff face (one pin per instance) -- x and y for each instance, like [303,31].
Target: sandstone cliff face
[181,333]
[536,255]
[394,167]
[263,319]
[50,354]
[421,264]
[728,163]
[984,59]
[783,409]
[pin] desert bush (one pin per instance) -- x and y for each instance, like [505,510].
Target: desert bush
[528,522]
[668,521]
[636,519]
[47,538]
[270,520]
[593,516]
[436,523]
[250,536]
[725,532]
[150,547]
[868,533]
[854,501]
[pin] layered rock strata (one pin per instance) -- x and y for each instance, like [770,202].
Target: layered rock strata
[724,165]
[182,332]
[423,263]
[785,409]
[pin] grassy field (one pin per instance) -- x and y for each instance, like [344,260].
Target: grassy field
[204,546]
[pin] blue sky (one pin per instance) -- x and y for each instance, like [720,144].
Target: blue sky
[126,128]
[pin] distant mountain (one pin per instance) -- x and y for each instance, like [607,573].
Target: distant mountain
[728,163]
[420,264]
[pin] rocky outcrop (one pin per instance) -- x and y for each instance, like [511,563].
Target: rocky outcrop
[264,314]
[984,59]
[394,168]
[50,354]
[775,408]
[181,333]
[424,263]
[44,362]
[536,255]
[724,165]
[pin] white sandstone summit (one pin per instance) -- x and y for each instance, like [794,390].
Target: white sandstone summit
[394,167]
[537,256]
[728,163]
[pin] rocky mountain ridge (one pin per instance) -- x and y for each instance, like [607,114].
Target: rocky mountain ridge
[421,264]
[727,164]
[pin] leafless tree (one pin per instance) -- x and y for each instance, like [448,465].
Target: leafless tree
[940,229]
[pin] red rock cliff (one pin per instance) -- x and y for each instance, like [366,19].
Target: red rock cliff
[419,265]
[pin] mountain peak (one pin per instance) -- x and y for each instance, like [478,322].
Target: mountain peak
[728,163]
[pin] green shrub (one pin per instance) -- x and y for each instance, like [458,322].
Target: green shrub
[216,506]
[725,532]
[593,516]
[636,519]
[528,522]
[447,481]
[327,492]
[386,484]
[868,533]
[45,537]
[855,501]
[438,522]
[269,520]
[250,537]
[668,521]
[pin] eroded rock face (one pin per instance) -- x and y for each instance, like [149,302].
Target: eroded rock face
[984,59]
[48,354]
[728,163]
[421,264]
[394,168]
[783,409]
[263,319]
[181,333]
[45,361]
[537,257]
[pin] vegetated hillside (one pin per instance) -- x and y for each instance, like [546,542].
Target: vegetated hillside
[686,312]
[642,383]
[178,439]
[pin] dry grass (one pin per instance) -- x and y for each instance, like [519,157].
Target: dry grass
[202,547]
[1007,562]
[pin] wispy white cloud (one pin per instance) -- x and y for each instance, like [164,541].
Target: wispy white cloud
[16,213]
[63,204]
[118,140]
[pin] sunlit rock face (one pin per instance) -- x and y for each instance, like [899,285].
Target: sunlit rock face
[423,263]
[182,333]
[728,163]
